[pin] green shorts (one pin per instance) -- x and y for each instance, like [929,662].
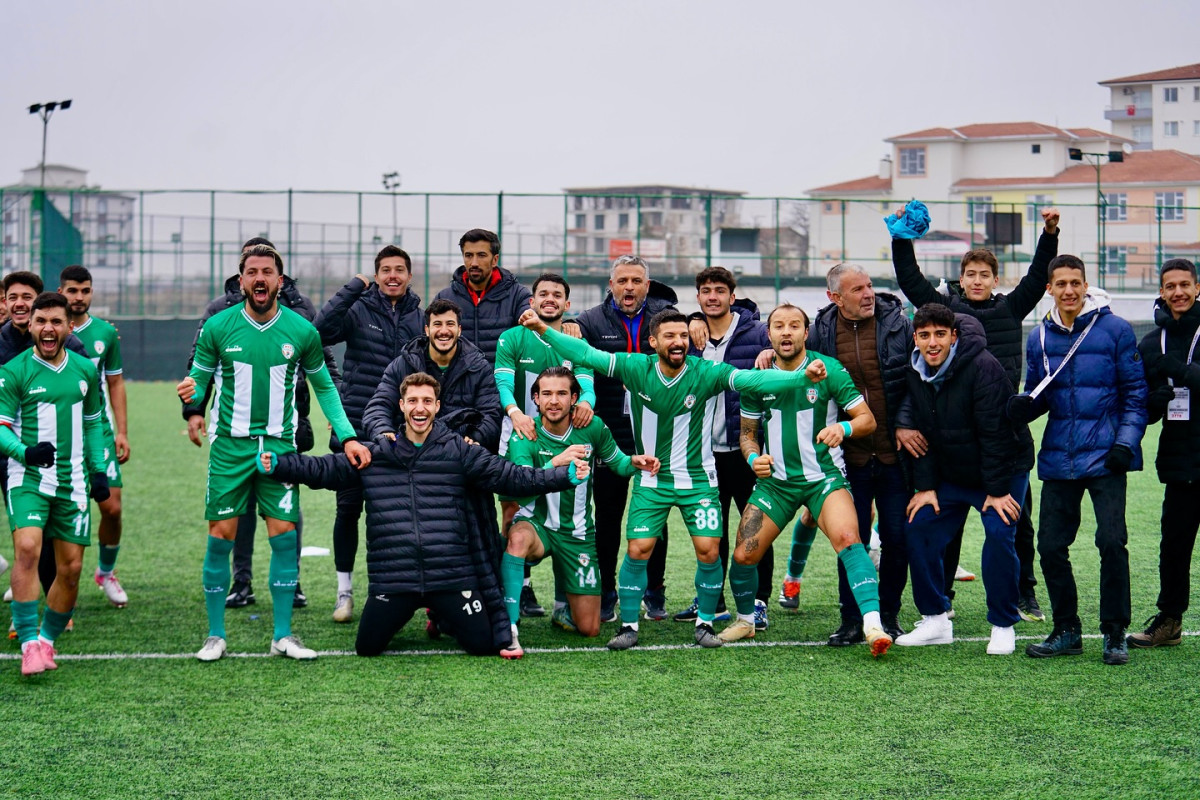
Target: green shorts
[232,474]
[58,517]
[111,468]
[574,559]
[648,510]
[780,500]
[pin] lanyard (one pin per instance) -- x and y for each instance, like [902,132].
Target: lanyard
[1192,349]
[1041,387]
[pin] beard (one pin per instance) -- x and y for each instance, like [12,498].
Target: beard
[272,295]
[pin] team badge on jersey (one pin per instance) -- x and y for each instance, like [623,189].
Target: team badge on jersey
[689,401]
[288,351]
[83,387]
[584,559]
[99,348]
[811,394]
[705,502]
[568,365]
[587,452]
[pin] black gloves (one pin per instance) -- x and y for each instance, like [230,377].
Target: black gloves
[1119,459]
[305,440]
[100,491]
[39,455]
[1158,400]
[1020,409]
[1171,367]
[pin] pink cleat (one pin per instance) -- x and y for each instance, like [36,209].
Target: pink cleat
[48,654]
[32,662]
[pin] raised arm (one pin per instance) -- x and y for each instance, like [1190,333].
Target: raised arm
[331,471]
[333,323]
[916,287]
[1032,287]
[499,475]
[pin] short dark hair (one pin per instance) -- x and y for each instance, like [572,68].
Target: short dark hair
[556,372]
[933,315]
[420,379]
[552,277]
[1172,264]
[24,278]
[982,255]
[1065,262]
[715,275]
[663,317]
[260,250]
[258,240]
[49,300]
[391,251]
[441,306]
[74,273]
[480,235]
[785,307]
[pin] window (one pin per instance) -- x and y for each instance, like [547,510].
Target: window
[1196,93]
[622,222]
[1170,94]
[580,244]
[1171,205]
[1035,148]
[599,222]
[739,240]
[1170,128]
[578,203]
[580,221]
[681,203]
[599,245]
[828,208]
[1034,203]
[654,219]
[1143,134]
[1115,258]
[912,160]
[1196,127]
[978,208]
[1115,206]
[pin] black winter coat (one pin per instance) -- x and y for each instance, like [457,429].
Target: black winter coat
[468,383]
[749,339]
[497,312]
[893,343]
[425,532]
[603,329]
[13,343]
[374,331]
[972,443]
[1178,458]
[1001,314]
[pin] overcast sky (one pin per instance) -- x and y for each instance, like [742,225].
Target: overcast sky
[766,97]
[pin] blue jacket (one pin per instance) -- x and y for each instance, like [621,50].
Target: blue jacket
[1097,401]
[749,339]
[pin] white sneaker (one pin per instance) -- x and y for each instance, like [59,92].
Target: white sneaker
[291,647]
[961,574]
[3,565]
[8,595]
[934,629]
[112,588]
[213,649]
[1003,641]
[343,610]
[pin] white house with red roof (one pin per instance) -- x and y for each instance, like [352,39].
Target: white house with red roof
[1157,110]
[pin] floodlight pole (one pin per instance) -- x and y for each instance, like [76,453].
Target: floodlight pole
[45,111]
[391,182]
[1101,204]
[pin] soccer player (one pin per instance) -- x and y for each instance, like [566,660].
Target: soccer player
[50,409]
[560,524]
[490,297]
[253,353]
[521,355]
[103,346]
[801,465]
[672,396]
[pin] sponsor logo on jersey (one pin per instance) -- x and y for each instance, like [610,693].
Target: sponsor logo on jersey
[524,360]
[544,452]
[584,559]
[288,351]
[568,365]
[689,401]
[766,398]
[644,397]
[37,517]
[641,529]
[225,510]
[37,390]
[764,503]
[99,348]
[83,387]
[811,394]
[234,349]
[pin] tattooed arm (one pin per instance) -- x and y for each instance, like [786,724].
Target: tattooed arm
[761,464]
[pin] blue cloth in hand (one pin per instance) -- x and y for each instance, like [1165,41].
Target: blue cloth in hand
[913,225]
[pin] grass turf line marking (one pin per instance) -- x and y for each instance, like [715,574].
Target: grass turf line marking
[537,650]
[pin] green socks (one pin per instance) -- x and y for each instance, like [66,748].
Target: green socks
[284,575]
[25,620]
[709,583]
[108,558]
[631,585]
[860,573]
[512,578]
[215,577]
[802,540]
[743,582]
[53,624]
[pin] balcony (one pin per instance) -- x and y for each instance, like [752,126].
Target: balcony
[1130,111]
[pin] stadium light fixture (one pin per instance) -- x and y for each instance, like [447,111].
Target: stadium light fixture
[45,110]
[391,182]
[1113,157]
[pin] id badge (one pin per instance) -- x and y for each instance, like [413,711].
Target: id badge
[1179,409]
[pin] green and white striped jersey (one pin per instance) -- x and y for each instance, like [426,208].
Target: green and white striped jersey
[568,512]
[522,354]
[103,346]
[791,419]
[46,403]
[254,367]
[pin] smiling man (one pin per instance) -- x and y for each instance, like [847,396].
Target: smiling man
[489,297]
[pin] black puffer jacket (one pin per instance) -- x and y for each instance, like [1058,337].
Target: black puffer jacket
[468,383]
[893,343]
[290,296]
[749,339]
[1178,458]
[374,331]
[424,530]
[1001,314]
[603,329]
[497,311]
[972,443]
[13,343]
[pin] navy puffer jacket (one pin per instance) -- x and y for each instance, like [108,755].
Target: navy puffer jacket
[497,311]
[749,339]
[1099,398]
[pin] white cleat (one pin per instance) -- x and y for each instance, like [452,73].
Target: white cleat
[1003,641]
[3,565]
[111,588]
[213,649]
[961,574]
[8,595]
[934,629]
[343,610]
[291,647]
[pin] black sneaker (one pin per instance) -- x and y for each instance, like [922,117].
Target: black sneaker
[299,600]
[1162,630]
[626,638]
[608,607]
[706,637]
[1028,608]
[241,594]
[689,613]
[655,603]
[891,626]
[529,603]
[849,633]
[1115,652]
[1058,643]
